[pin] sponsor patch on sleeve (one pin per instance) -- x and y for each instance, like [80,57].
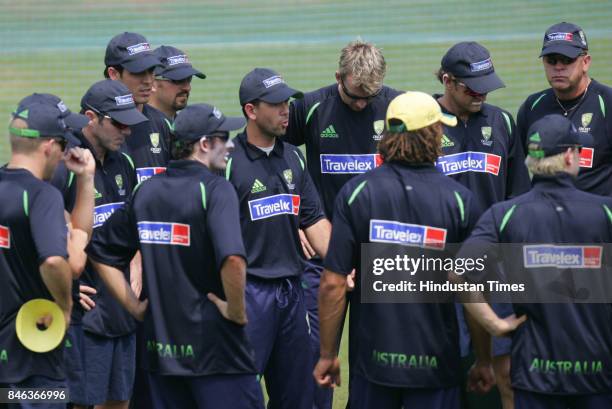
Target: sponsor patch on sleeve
[415,235]
[349,164]
[5,237]
[143,174]
[173,234]
[550,255]
[276,205]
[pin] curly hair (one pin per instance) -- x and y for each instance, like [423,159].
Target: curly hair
[420,146]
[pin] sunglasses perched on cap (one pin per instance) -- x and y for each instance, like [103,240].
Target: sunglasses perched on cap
[553,59]
[179,83]
[356,97]
[116,124]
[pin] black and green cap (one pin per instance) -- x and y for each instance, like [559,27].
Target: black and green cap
[44,119]
[553,134]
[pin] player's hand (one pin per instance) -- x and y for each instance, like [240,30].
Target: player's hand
[239,317]
[306,247]
[140,310]
[80,161]
[350,281]
[86,302]
[327,372]
[136,274]
[481,378]
[504,326]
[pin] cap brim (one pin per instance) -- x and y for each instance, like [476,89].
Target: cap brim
[484,84]
[232,123]
[128,116]
[563,49]
[72,140]
[281,94]
[76,121]
[142,63]
[179,73]
[449,120]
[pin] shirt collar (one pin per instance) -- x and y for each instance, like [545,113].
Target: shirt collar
[561,180]
[254,153]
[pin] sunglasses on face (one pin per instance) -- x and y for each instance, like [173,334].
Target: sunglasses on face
[553,59]
[356,97]
[576,147]
[114,123]
[224,136]
[468,91]
[62,143]
[179,83]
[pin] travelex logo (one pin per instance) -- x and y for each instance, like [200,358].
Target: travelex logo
[5,237]
[173,234]
[103,212]
[143,174]
[415,235]
[586,157]
[177,59]
[560,37]
[272,81]
[481,65]
[549,255]
[122,100]
[274,206]
[346,163]
[138,48]
[469,162]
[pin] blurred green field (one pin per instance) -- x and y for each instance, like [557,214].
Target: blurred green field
[58,46]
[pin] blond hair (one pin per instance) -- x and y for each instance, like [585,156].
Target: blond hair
[546,166]
[365,63]
[420,146]
[21,144]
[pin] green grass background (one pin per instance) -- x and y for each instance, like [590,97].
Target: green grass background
[58,46]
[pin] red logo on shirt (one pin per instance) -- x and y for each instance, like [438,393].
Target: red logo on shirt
[586,157]
[592,256]
[5,237]
[435,238]
[180,234]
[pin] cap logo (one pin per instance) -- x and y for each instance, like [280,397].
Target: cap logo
[560,37]
[481,65]
[62,107]
[177,59]
[535,138]
[124,100]
[272,81]
[217,113]
[138,48]
[582,38]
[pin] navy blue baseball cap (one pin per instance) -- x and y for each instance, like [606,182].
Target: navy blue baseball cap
[44,119]
[471,63]
[73,120]
[198,120]
[265,85]
[131,51]
[566,39]
[553,134]
[176,65]
[114,99]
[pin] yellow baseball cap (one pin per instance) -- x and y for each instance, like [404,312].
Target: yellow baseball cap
[33,338]
[415,110]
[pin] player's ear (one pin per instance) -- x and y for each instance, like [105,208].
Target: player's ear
[251,111]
